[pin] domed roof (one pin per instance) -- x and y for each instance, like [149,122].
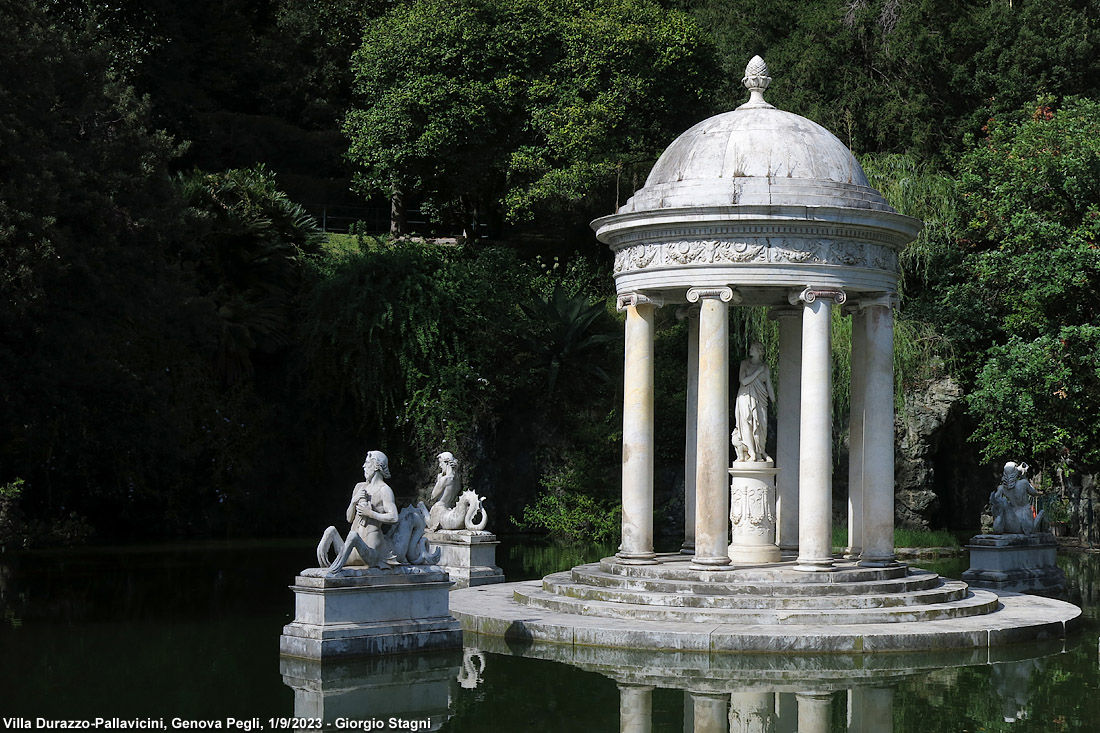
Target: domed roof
[756,154]
[761,200]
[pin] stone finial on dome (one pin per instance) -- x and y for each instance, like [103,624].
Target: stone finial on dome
[756,81]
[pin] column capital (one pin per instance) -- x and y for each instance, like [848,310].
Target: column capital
[810,294]
[723,293]
[779,312]
[884,300]
[630,300]
[688,312]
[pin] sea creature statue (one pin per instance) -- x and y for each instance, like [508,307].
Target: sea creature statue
[368,544]
[464,515]
[473,667]
[1010,503]
[410,546]
[445,491]
[371,506]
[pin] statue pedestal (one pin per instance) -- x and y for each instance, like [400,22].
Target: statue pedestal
[412,687]
[1022,563]
[469,557]
[362,611]
[752,512]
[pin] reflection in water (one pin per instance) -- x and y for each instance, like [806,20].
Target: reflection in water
[192,631]
[414,690]
[746,693]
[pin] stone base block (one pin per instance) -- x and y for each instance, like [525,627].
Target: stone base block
[468,557]
[368,611]
[1015,562]
[409,686]
[752,554]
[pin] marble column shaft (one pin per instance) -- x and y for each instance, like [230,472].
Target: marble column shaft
[710,712]
[713,436]
[878,450]
[635,708]
[690,314]
[814,712]
[752,712]
[637,476]
[788,405]
[815,474]
[856,433]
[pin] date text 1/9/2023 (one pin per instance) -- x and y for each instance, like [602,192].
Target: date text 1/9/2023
[355,724]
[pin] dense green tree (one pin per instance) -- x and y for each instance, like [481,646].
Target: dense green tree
[1018,297]
[484,107]
[907,77]
[96,317]
[249,243]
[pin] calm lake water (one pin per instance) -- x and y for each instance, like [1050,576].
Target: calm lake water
[191,631]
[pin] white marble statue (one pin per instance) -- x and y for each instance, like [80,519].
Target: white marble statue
[1010,503]
[445,491]
[468,514]
[369,543]
[451,510]
[751,407]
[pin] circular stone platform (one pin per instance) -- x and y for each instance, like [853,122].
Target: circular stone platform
[761,608]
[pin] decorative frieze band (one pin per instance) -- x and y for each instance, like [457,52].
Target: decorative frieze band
[630,300]
[726,295]
[762,250]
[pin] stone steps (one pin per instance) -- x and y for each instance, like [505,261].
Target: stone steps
[587,587]
[678,567]
[973,603]
[803,584]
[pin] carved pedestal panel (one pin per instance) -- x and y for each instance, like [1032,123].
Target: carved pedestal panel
[752,512]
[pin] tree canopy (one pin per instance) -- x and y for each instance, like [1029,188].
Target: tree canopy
[1019,297]
[520,107]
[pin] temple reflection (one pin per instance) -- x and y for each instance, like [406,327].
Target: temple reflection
[721,693]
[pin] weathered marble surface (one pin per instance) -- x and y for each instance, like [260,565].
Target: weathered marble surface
[751,407]
[469,557]
[752,512]
[1024,563]
[1010,503]
[369,611]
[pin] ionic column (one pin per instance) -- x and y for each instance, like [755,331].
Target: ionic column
[709,712]
[787,404]
[878,442]
[752,712]
[637,544]
[856,433]
[713,428]
[635,708]
[690,313]
[814,712]
[815,466]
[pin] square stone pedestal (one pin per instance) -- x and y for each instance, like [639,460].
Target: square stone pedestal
[1023,563]
[468,557]
[362,611]
[412,687]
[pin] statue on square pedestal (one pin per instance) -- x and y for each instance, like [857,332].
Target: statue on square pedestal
[751,407]
[452,510]
[1010,503]
[380,536]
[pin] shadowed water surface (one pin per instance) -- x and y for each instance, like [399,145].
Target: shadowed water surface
[191,631]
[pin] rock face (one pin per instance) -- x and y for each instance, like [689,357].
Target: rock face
[921,428]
